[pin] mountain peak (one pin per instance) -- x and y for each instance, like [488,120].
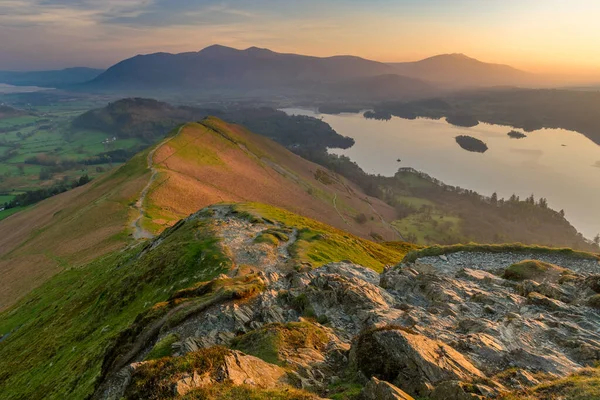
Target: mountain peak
[217,49]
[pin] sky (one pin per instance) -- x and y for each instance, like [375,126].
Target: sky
[548,36]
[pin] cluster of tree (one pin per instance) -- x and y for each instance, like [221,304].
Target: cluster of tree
[34,196]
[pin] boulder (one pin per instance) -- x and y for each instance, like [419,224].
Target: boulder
[239,369]
[455,390]
[411,361]
[382,390]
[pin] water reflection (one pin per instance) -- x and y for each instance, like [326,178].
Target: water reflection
[557,164]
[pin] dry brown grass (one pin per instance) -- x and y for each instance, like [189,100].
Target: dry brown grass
[201,166]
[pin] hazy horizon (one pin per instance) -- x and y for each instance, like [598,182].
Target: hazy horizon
[550,37]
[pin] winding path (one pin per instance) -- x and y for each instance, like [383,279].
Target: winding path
[138,231]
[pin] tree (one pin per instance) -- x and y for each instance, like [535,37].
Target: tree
[530,200]
[45,174]
[494,198]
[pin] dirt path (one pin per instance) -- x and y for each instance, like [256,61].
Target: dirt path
[337,210]
[136,224]
[384,222]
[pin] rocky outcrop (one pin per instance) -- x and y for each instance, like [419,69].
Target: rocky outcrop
[438,328]
[237,369]
[412,361]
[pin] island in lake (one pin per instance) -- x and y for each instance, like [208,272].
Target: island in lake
[516,135]
[379,115]
[470,143]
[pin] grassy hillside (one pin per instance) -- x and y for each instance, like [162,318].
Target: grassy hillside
[67,230]
[84,310]
[213,161]
[206,163]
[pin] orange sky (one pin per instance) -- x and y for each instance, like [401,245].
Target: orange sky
[549,36]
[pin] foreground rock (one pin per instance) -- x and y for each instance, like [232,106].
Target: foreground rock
[445,328]
[410,360]
[382,390]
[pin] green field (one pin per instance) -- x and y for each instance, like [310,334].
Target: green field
[429,227]
[47,133]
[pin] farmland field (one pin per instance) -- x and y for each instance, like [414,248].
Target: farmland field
[41,148]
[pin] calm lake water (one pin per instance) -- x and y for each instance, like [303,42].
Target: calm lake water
[560,165]
[6,88]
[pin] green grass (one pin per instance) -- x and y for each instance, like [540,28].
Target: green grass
[581,385]
[229,392]
[163,348]
[320,244]
[6,198]
[58,335]
[201,155]
[11,211]
[428,228]
[530,269]
[498,248]
[25,119]
[272,237]
[270,341]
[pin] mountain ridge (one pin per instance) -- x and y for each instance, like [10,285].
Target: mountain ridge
[460,70]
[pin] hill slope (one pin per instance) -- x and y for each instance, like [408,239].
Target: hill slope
[458,70]
[212,161]
[196,168]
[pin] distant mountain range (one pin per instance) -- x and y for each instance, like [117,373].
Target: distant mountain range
[56,78]
[225,67]
[260,71]
[458,70]
[257,72]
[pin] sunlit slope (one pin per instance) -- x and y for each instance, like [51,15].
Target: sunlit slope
[213,161]
[67,230]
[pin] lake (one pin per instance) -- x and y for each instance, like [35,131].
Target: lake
[6,88]
[560,165]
